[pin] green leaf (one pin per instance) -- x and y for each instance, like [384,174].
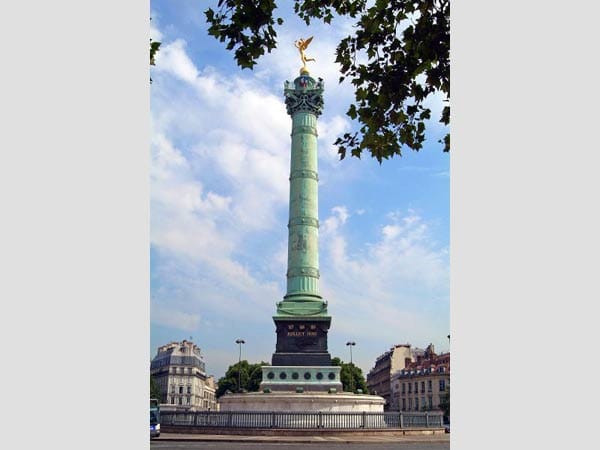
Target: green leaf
[352,112]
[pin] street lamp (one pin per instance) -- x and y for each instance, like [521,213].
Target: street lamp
[351,344]
[240,342]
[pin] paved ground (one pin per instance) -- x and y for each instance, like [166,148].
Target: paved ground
[159,444]
[207,441]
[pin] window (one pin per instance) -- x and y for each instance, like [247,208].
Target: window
[422,386]
[181,389]
[429,387]
[409,388]
[172,400]
[410,403]
[430,401]
[404,388]
[181,400]
[403,404]
[416,387]
[416,403]
[189,389]
[442,385]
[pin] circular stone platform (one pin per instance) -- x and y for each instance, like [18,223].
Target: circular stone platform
[301,402]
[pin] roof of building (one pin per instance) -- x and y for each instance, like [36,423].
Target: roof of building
[178,354]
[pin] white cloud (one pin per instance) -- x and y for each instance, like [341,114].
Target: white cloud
[172,58]
[183,216]
[394,282]
[332,223]
[175,319]
[329,131]
[224,180]
[155,33]
[251,151]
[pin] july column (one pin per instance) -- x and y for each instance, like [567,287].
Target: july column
[304,104]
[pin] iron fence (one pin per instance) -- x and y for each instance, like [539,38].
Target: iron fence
[303,420]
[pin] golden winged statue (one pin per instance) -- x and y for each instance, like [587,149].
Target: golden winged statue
[301,45]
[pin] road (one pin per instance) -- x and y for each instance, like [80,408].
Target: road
[175,445]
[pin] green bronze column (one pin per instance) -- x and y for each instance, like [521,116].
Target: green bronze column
[304,102]
[302,321]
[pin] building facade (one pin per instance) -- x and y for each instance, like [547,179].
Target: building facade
[386,365]
[422,384]
[179,371]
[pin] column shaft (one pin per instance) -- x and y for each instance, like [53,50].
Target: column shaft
[303,225]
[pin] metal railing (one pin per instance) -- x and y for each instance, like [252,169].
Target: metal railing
[303,420]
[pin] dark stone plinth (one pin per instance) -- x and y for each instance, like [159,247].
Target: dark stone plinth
[301,359]
[301,343]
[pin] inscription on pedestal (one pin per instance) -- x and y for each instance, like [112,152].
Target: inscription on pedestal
[302,337]
[302,333]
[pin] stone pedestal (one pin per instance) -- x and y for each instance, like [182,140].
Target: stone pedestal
[307,378]
[301,342]
[301,402]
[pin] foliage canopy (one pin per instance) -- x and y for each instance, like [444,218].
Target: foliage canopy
[155,389]
[406,44]
[250,377]
[348,372]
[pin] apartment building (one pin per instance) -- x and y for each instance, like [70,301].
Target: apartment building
[386,365]
[422,384]
[179,370]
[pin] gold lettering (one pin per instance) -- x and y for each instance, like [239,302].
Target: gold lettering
[296,333]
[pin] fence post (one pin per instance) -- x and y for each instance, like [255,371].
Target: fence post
[320,424]
[364,421]
[272,419]
[426,419]
[401,420]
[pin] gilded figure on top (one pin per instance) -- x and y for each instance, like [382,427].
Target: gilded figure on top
[301,45]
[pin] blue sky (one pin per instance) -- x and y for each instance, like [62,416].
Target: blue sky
[219,202]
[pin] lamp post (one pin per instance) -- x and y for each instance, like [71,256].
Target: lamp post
[351,344]
[240,342]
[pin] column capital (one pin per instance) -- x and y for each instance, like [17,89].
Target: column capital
[305,94]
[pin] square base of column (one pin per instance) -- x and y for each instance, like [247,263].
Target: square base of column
[309,378]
